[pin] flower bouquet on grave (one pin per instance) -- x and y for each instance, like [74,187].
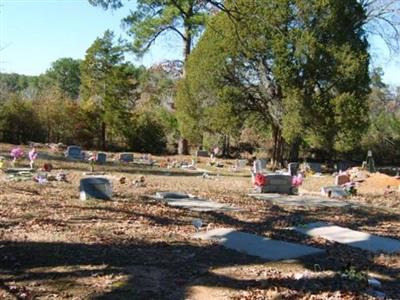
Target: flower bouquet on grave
[32,157]
[16,154]
[92,160]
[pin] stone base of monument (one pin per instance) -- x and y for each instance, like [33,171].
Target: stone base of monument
[277,183]
[95,188]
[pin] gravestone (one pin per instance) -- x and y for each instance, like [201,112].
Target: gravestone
[183,200]
[334,192]
[278,183]
[95,188]
[343,166]
[315,167]
[259,165]
[126,157]
[342,179]
[256,245]
[350,237]
[73,152]
[101,157]
[202,153]
[302,201]
[293,167]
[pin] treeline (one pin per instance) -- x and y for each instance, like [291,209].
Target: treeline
[286,79]
[100,102]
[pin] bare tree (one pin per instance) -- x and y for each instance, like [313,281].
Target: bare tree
[383,20]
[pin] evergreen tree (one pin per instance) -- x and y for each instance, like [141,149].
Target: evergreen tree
[301,65]
[64,74]
[108,85]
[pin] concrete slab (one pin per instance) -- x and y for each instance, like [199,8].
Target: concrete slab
[301,200]
[192,203]
[195,204]
[350,237]
[255,245]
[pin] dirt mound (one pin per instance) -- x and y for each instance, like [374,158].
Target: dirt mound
[378,183]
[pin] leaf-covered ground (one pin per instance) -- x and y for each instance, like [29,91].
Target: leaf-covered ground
[54,246]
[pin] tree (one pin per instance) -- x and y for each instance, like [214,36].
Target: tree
[302,66]
[18,121]
[64,74]
[152,18]
[108,84]
[383,20]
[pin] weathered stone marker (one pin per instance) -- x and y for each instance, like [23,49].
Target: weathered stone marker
[126,157]
[101,157]
[73,152]
[202,153]
[95,188]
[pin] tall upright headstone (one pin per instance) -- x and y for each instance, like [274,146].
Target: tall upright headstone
[370,162]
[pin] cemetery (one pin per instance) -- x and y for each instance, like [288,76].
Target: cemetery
[114,228]
[200,150]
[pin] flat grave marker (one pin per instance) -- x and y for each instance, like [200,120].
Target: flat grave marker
[256,245]
[192,203]
[301,200]
[350,237]
[95,188]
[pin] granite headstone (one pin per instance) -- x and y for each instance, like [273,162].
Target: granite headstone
[95,188]
[73,152]
[126,157]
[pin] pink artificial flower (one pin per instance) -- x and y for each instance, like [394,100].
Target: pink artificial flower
[17,153]
[297,180]
[32,154]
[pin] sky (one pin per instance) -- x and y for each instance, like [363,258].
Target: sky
[35,33]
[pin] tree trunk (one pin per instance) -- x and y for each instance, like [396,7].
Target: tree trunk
[294,150]
[277,154]
[103,136]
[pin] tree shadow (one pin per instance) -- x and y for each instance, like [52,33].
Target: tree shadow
[160,270]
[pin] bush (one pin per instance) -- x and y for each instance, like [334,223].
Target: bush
[147,133]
